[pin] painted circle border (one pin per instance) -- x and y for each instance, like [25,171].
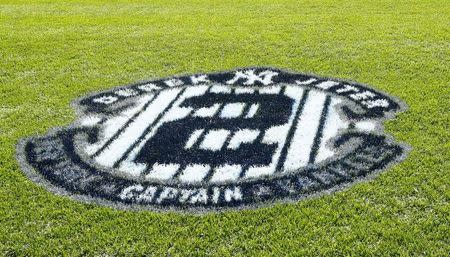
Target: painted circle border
[39,178]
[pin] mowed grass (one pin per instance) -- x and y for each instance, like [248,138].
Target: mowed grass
[54,52]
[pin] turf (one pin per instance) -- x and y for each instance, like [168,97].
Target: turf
[52,53]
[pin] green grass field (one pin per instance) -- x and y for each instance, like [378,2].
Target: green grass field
[52,53]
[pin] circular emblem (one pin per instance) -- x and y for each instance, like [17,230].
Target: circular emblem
[212,141]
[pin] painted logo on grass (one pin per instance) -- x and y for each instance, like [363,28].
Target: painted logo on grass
[212,141]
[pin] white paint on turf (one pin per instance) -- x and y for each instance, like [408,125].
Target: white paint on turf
[302,142]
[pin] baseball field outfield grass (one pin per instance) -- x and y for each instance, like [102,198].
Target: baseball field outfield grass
[52,52]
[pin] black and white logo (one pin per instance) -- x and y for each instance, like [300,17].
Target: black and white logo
[212,141]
